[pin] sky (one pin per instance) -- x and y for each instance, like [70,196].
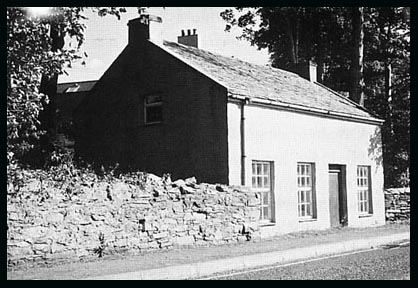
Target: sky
[106,37]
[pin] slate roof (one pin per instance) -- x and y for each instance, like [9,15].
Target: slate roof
[81,86]
[263,82]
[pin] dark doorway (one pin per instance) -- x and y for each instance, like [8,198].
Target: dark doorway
[337,195]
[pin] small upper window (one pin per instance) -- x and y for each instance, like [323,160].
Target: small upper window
[153,111]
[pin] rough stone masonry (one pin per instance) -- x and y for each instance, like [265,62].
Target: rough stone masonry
[106,217]
[397,204]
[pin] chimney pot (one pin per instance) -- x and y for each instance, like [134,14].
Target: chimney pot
[194,31]
[188,32]
[182,33]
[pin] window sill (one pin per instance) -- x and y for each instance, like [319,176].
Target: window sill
[365,215]
[307,220]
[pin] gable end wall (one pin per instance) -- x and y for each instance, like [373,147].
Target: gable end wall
[191,141]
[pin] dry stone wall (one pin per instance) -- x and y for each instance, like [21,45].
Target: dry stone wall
[397,204]
[47,222]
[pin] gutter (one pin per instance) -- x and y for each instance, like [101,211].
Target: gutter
[308,110]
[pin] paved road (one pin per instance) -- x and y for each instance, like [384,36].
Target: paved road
[386,263]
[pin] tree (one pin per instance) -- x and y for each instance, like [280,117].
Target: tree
[298,34]
[35,54]
[387,80]
[371,42]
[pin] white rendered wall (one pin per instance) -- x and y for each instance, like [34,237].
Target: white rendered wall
[287,138]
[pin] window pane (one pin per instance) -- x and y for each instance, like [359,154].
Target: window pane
[308,182]
[302,182]
[259,181]
[266,212]
[154,114]
[254,168]
[308,196]
[266,198]
[266,182]
[266,169]
[308,210]
[258,169]
[254,181]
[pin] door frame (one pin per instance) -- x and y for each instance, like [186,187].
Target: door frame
[342,191]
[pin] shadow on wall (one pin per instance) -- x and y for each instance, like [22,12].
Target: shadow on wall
[375,147]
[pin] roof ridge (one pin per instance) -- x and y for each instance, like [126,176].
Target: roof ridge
[267,67]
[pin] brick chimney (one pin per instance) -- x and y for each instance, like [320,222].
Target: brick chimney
[189,39]
[307,70]
[145,27]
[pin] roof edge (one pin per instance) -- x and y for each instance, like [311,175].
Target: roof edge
[307,110]
[72,82]
[349,100]
[179,57]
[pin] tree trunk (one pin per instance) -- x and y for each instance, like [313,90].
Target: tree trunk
[357,89]
[292,49]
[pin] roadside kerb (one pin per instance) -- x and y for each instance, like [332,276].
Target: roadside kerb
[195,270]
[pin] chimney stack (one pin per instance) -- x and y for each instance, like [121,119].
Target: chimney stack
[189,39]
[145,27]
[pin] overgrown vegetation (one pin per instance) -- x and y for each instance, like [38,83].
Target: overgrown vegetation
[36,55]
[102,246]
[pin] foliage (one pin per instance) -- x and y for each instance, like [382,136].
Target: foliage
[102,245]
[325,35]
[299,34]
[35,51]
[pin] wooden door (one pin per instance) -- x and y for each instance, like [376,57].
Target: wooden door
[334,201]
